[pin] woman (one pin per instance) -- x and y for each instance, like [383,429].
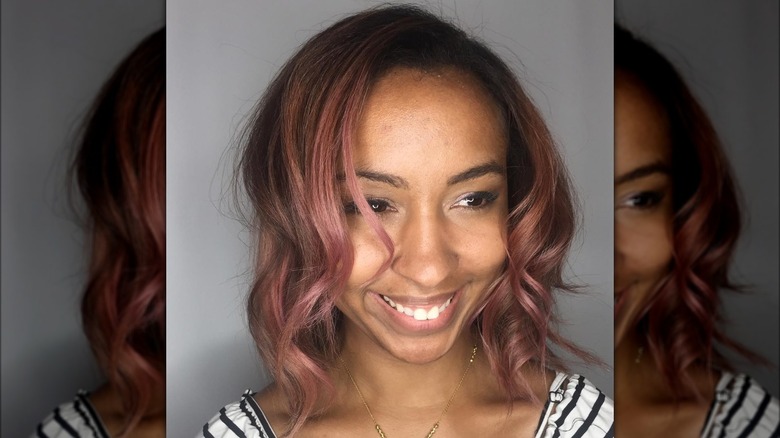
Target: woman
[412,217]
[120,171]
[676,225]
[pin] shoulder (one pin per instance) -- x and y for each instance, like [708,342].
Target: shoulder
[243,418]
[575,407]
[742,407]
[76,418]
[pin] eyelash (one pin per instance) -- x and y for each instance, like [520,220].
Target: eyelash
[644,200]
[381,206]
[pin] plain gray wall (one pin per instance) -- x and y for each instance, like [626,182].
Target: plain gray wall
[55,57]
[221,56]
[727,52]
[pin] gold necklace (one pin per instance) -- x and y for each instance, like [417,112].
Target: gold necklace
[446,408]
[639,353]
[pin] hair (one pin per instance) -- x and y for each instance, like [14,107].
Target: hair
[299,139]
[680,319]
[120,172]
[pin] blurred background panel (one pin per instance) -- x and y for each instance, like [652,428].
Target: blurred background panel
[221,57]
[727,52]
[55,57]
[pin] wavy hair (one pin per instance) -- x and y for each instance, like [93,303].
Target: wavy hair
[301,136]
[120,172]
[680,319]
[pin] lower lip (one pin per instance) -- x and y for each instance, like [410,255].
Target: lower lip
[409,324]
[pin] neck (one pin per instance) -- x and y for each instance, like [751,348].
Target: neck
[388,382]
[633,365]
[111,410]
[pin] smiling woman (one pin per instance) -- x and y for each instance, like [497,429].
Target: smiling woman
[446,222]
[412,217]
[677,220]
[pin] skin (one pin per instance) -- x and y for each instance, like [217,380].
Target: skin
[419,133]
[643,253]
[108,404]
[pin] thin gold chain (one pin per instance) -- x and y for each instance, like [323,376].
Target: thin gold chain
[446,408]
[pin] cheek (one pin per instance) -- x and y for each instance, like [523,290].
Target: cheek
[369,255]
[643,247]
[482,250]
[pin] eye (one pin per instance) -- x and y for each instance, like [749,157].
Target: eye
[644,200]
[477,200]
[378,206]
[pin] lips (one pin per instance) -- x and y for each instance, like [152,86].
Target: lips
[419,309]
[410,314]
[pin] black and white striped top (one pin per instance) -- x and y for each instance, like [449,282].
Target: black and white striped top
[574,408]
[742,408]
[75,419]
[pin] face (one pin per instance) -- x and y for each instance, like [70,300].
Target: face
[430,156]
[643,199]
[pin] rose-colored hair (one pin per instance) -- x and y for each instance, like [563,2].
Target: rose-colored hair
[681,318]
[120,171]
[295,146]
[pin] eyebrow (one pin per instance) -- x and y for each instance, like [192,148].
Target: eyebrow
[476,172]
[643,171]
[396,181]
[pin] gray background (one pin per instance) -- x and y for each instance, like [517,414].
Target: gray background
[55,57]
[727,52]
[221,56]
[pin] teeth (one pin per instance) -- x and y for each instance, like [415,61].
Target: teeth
[445,305]
[418,314]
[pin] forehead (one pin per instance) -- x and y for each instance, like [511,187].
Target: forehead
[642,133]
[443,113]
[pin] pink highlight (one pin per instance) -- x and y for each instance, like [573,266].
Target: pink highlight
[299,144]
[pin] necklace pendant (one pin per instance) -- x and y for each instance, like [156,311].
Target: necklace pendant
[379,431]
[433,430]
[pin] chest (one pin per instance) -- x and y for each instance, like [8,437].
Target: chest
[668,421]
[461,421]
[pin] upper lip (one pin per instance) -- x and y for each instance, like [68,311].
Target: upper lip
[406,300]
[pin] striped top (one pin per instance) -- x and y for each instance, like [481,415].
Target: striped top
[741,408]
[574,408]
[73,419]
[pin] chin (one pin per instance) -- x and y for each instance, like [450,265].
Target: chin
[422,352]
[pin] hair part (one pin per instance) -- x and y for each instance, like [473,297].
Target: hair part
[120,172]
[299,140]
[681,318]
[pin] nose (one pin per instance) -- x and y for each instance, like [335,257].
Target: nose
[423,253]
